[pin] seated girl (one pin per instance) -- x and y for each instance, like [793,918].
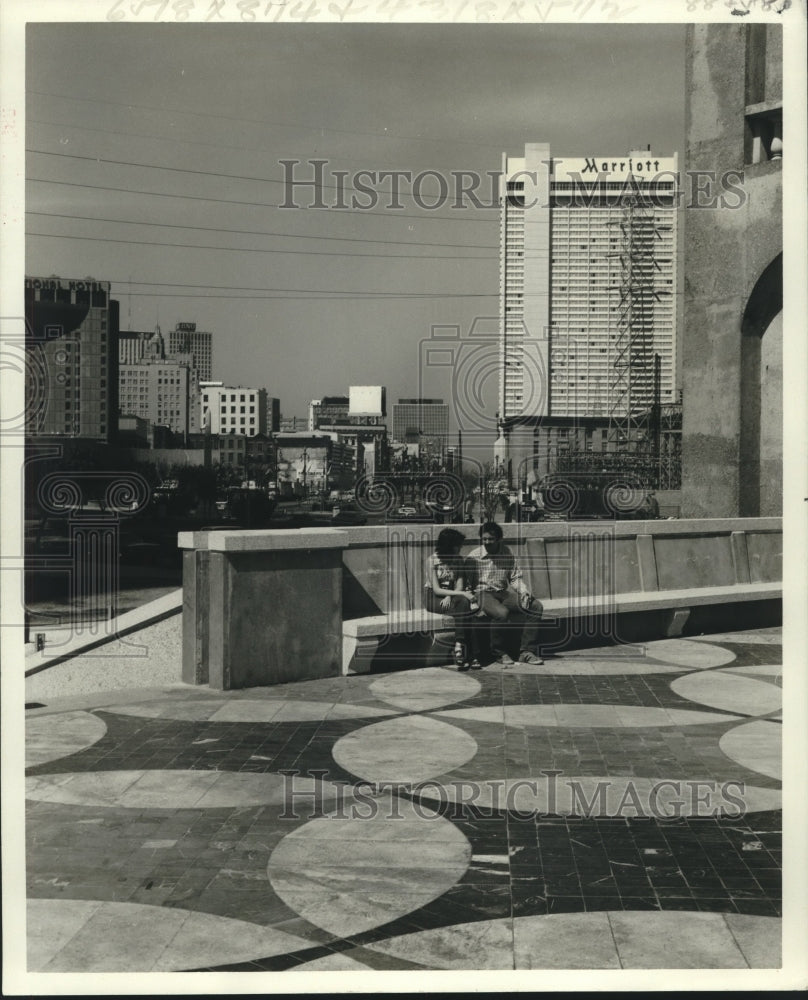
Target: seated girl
[445,592]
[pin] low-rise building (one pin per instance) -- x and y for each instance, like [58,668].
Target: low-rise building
[231,409]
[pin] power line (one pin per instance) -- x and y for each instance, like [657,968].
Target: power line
[313,185]
[148,135]
[302,291]
[265,122]
[427,216]
[258,232]
[305,253]
[325,297]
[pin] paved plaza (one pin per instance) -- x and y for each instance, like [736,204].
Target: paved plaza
[616,808]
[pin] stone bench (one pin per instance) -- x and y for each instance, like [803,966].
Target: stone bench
[362,638]
[587,573]
[266,607]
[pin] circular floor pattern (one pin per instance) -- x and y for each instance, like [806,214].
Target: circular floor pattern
[250,710]
[76,935]
[771,671]
[757,745]
[408,749]
[180,789]
[586,716]
[600,940]
[51,737]
[730,690]
[568,666]
[615,796]
[756,638]
[335,962]
[424,689]
[349,873]
[689,654]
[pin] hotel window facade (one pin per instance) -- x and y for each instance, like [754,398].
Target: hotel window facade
[578,237]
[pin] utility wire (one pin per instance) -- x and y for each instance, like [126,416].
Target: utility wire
[305,253]
[324,297]
[311,185]
[427,215]
[302,291]
[254,232]
[264,122]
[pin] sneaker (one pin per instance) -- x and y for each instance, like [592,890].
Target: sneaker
[527,657]
[476,665]
[505,660]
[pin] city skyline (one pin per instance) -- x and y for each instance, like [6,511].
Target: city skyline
[181,128]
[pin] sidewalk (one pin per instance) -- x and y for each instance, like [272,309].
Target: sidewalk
[618,808]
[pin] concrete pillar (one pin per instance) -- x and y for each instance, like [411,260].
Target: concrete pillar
[733,237]
[265,607]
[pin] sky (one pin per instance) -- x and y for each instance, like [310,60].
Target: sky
[153,161]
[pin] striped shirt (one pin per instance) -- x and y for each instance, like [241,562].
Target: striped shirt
[497,572]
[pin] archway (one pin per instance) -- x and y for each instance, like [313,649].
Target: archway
[761,445]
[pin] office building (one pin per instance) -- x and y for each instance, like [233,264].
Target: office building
[158,391]
[227,409]
[71,346]
[273,414]
[358,420]
[327,411]
[158,387]
[291,425]
[414,418]
[186,339]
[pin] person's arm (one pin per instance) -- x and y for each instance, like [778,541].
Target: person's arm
[443,591]
[516,581]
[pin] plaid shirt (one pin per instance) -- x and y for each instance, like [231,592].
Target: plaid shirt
[497,572]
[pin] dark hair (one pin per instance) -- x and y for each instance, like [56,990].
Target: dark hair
[448,540]
[490,528]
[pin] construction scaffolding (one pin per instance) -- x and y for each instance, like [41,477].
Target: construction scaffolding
[656,461]
[643,438]
[634,392]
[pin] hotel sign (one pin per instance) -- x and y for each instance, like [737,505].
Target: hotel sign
[613,168]
[79,286]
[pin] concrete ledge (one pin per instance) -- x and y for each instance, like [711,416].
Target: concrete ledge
[396,623]
[266,540]
[361,636]
[362,537]
[403,622]
[114,629]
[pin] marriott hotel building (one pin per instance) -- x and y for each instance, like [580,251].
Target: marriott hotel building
[576,259]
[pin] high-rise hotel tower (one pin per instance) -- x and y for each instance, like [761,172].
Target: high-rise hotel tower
[587,285]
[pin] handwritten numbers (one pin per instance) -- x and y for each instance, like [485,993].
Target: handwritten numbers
[137,9]
[342,12]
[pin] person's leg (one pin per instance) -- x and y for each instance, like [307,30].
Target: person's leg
[491,605]
[460,610]
[432,603]
[532,628]
[530,618]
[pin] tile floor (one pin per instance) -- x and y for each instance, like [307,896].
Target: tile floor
[617,808]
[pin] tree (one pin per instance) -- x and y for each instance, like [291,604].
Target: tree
[490,490]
